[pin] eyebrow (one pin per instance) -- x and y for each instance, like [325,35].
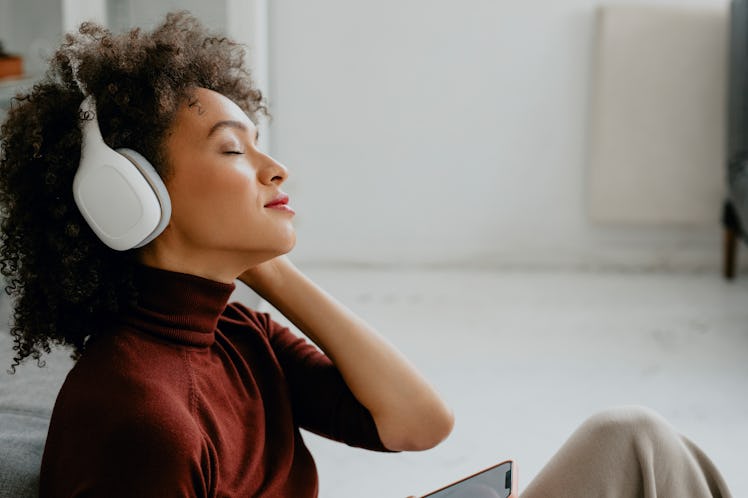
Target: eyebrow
[229,123]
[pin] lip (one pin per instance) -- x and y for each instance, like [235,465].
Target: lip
[280,202]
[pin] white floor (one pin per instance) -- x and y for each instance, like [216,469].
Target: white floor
[524,357]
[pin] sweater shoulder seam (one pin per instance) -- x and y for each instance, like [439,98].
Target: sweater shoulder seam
[192,393]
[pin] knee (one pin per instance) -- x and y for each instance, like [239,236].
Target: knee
[628,423]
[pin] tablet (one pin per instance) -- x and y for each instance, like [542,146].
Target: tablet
[499,481]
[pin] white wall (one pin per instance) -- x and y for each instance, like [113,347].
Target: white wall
[421,131]
[123,14]
[5,22]
[74,12]
[431,131]
[31,28]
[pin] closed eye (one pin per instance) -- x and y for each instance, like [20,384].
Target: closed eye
[234,152]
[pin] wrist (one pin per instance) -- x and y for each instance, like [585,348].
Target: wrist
[267,275]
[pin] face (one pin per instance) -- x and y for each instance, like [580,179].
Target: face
[228,209]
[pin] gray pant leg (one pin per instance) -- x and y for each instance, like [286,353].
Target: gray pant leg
[628,452]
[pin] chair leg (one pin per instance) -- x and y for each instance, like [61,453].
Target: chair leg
[730,252]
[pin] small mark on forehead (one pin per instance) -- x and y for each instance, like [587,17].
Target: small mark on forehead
[197,106]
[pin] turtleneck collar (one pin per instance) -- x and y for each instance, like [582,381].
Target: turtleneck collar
[178,307]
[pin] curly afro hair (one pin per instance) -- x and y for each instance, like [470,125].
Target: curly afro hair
[63,281]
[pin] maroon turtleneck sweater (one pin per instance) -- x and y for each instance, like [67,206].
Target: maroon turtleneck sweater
[186,396]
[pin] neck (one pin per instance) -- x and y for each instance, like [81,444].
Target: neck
[214,264]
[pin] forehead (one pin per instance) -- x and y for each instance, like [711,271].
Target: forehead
[203,108]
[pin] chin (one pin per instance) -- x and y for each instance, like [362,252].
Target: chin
[292,242]
[289,243]
[282,247]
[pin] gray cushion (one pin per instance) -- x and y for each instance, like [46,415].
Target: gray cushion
[21,445]
[26,401]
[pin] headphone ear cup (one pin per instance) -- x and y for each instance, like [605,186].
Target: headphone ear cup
[124,206]
[159,189]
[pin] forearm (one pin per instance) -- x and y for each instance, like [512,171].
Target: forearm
[408,412]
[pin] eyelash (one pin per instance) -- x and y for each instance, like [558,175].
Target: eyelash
[234,152]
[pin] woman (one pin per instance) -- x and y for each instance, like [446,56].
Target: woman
[175,392]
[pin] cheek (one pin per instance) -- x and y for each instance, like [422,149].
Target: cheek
[206,194]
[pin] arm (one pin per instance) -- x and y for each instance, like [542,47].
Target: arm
[408,412]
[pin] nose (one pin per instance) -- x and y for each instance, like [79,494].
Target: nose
[271,171]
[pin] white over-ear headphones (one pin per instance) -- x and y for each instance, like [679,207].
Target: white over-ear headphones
[119,192]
